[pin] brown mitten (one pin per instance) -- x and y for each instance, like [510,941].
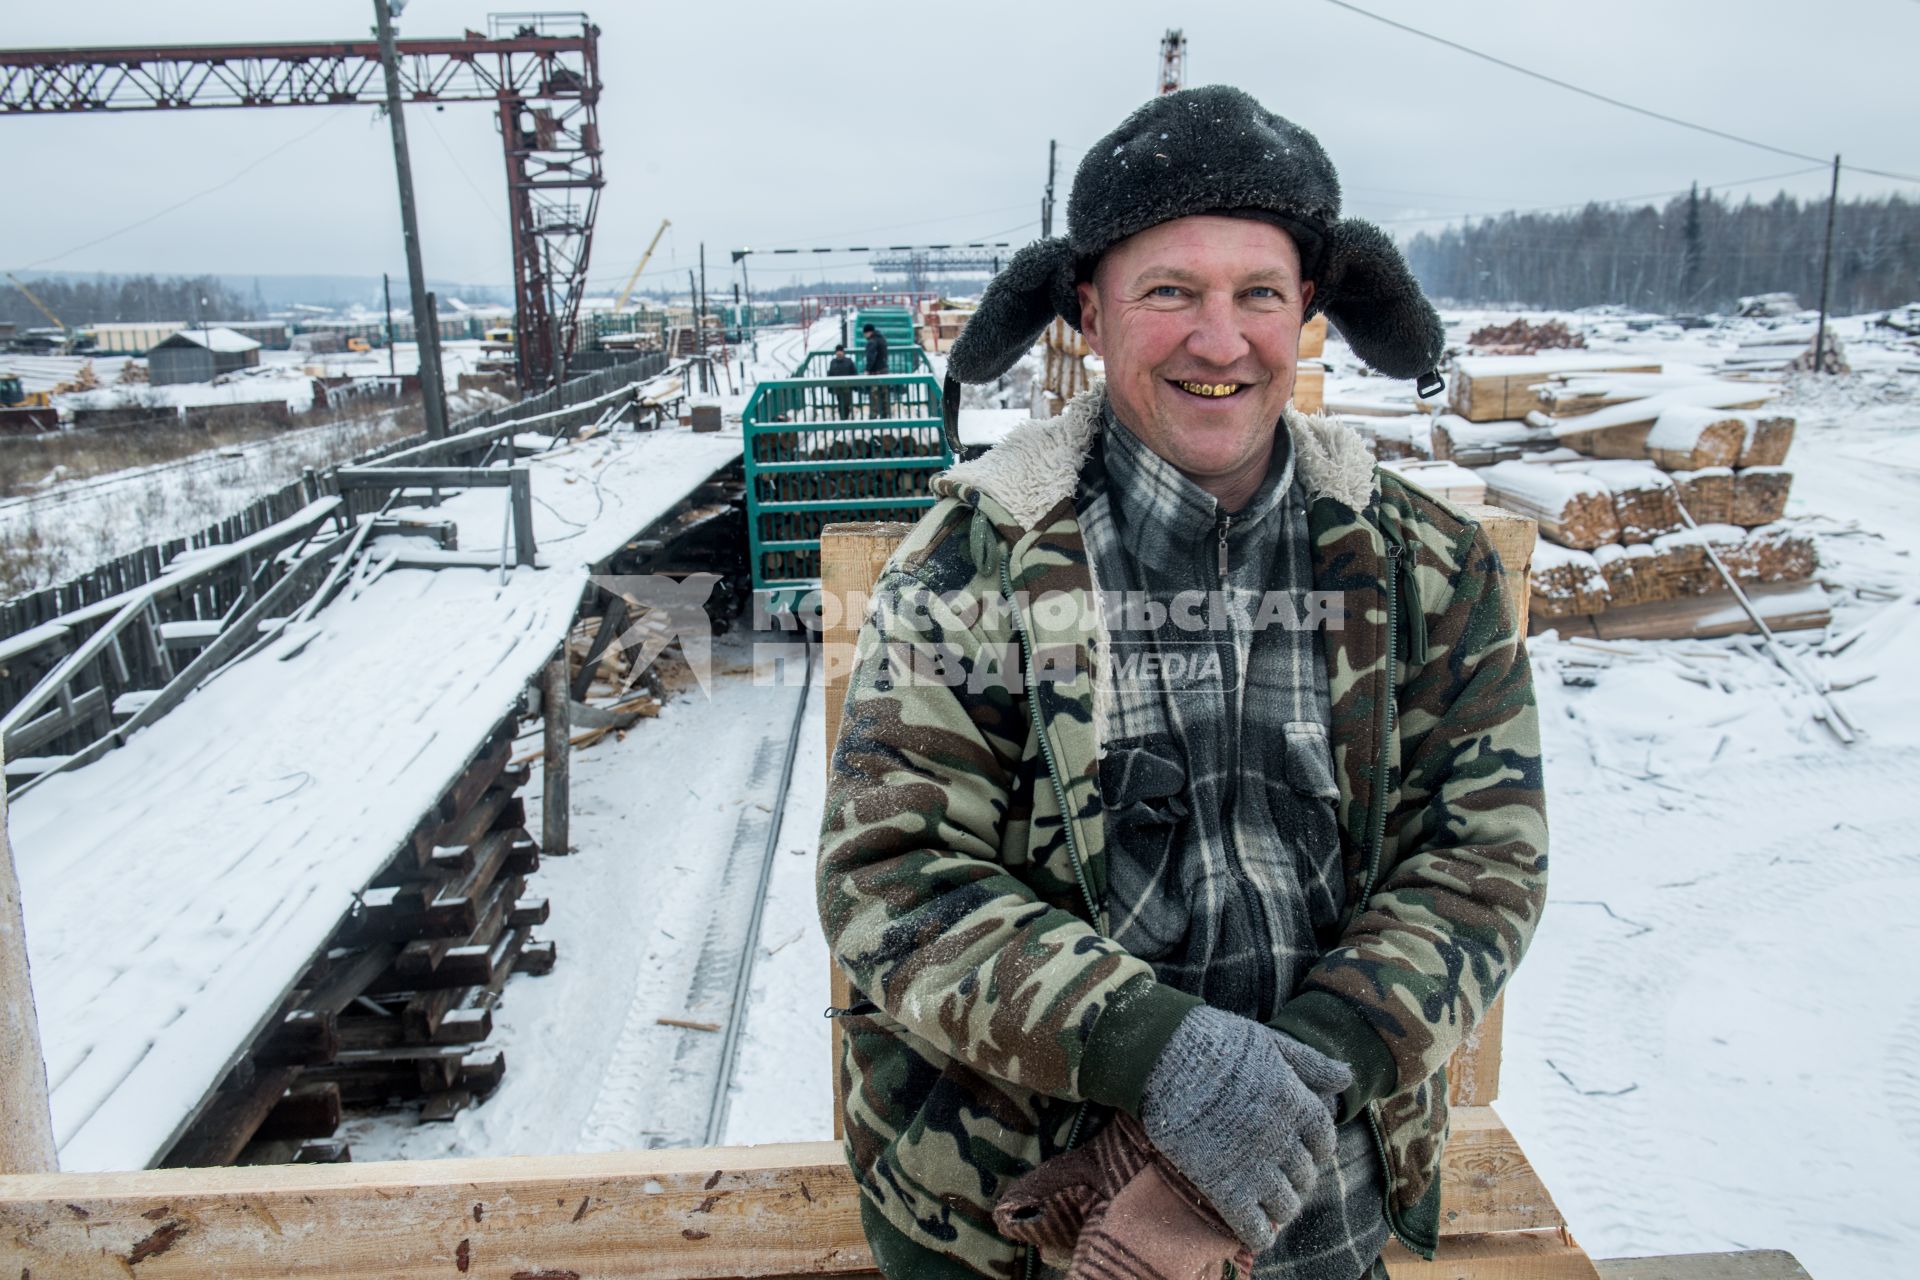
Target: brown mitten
[1115,1209]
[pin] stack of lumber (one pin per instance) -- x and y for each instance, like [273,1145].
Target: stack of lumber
[1310,375]
[1499,388]
[1406,435]
[397,1005]
[1612,463]
[1447,480]
[940,326]
[1571,509]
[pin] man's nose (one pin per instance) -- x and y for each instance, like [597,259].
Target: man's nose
[1216,336]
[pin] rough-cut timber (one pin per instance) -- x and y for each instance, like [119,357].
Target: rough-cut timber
[1631,574]
[1643,496]
[1565,582]
[1790,606]
[26,1123]
[1769,436]
[1759,495]
[1759,1264]
[1573,510]
[1313,338]
[1481,444]
[1707,494]
[1688,438]
[1489,388]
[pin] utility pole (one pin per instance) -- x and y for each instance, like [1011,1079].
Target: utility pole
[1826,275]
[386,284]
[433,387]
[703,296]
[1046,205]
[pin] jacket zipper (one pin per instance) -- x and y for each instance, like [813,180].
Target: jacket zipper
[1377,845]
[1228,648]
[1066,823]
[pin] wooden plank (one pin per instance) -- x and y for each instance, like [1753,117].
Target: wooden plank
[1487,1182]
[556,756]
[1513,1255]
[55,721]
[662,1214]
[1474,1071]
[743,1211]
[851,557]
[229,1120]
[1759,1264]
[26,1120]
[1787,606]
[384,477]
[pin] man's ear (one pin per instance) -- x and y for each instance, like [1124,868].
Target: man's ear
[1090,316]
[1306,297]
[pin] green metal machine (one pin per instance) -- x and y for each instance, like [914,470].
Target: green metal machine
[822,451]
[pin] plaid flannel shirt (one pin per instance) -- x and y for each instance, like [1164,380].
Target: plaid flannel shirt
[1218,781]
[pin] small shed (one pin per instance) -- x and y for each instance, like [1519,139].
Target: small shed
[200,355]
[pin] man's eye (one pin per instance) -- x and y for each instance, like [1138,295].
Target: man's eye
[1263,291]
[1166,291]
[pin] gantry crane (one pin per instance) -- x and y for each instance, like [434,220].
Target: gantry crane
[541,72]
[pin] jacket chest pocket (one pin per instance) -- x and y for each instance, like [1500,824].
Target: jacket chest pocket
[1143,785]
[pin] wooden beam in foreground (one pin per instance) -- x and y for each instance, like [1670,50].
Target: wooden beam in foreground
[26,1125]
[789,1210]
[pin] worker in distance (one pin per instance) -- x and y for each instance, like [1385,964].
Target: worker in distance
[1187,810]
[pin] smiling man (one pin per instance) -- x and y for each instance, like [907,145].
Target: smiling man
[1186,812]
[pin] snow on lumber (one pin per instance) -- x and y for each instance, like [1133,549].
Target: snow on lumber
[1564,582]
[1441,479]
[1688,438]
[1572,509]
[1769,436]
[1402,437]
[1481,444]
[1620,430]
[1643,496]
[1488,388]
[222,845]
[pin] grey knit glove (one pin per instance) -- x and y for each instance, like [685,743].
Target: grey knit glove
[1246,1112]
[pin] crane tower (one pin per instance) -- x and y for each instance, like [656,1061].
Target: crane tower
[1173,60]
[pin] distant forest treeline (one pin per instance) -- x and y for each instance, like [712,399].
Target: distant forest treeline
[128,298]
[1698,254]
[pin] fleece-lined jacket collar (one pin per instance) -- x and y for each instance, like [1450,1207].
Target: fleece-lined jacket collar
[1036,467]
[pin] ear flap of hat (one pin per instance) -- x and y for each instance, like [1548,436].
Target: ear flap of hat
[1368,292]
[1020,302]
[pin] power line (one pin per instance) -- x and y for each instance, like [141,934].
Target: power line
[1610,101]
[181,204]
[1581,204]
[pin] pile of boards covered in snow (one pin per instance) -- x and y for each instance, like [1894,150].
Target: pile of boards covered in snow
[1611,457]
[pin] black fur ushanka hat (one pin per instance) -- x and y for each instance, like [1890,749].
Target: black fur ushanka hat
[1210,150]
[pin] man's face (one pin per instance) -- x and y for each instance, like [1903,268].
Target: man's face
[1198,321]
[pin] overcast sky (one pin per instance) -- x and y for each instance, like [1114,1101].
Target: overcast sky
[758,123]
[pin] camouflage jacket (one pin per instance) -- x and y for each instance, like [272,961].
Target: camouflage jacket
[962,864]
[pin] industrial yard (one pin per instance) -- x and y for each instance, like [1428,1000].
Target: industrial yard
[418,696]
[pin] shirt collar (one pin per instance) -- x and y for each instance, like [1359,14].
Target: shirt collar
[1163,513]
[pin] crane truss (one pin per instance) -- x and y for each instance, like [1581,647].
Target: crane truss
[541,72]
